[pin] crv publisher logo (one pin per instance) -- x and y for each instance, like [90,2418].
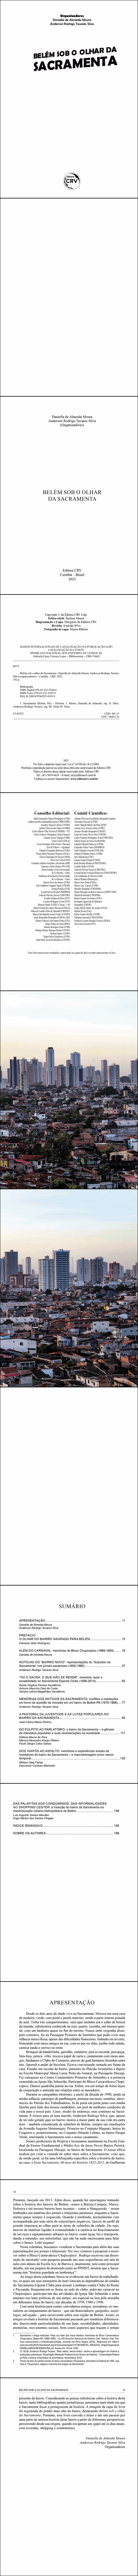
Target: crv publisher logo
[71,179]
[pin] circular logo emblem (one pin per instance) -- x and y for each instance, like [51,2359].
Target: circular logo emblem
[71,179]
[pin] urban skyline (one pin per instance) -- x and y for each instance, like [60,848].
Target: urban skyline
[68,1328]
[24,1074]
[55,1273]
[95,1025]
[101,1223]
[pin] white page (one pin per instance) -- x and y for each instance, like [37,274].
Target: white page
[47,747]
[68,494]
[66,1681]
[44,752]
[100,946]
[94,1520]
[59,124]
[75,309]
[89,2029]
[59,1803]
[40,1874]
[101,709]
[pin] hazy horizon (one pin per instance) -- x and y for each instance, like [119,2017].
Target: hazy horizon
[95,1221]
[100,1024]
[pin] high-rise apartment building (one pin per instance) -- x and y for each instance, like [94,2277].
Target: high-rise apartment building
[134,1072]
[61,1270]
[113,1077]
[45,1273]
[89,1073]
[61,1077]
[11,1266]
[75,1062]
[83,1272]
[50,1067]
[50,1281]
[28,1074]
[69,1074]
[2,1270]
[25,1085]
[14,1073]
[42,1274]
[35,1068]
[75,1058]
[104,1068]
[97,1272]
[28,1265]
[114,1270]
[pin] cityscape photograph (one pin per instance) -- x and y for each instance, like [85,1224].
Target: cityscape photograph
[69,1091]
[69,1306]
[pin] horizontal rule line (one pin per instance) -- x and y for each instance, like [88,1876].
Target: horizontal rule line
[55,198]
[60,594]
[124,2378]
[62,720]
[18,988]
[71,397]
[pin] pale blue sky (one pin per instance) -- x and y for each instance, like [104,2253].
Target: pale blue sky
[96,1023]
[85,1221]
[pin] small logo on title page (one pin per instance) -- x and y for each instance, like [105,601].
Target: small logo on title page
[71,179]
